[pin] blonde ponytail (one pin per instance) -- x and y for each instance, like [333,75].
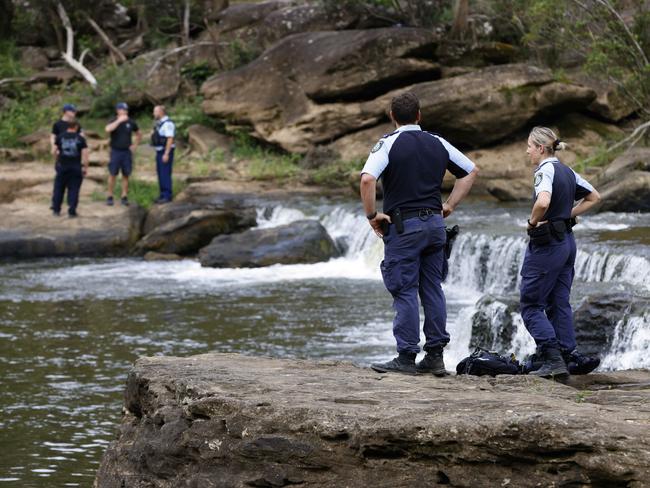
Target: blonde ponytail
[545,137]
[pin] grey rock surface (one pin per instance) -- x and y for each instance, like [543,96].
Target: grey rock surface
[303,241]
[225,420]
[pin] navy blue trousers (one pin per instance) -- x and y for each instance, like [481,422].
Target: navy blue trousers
[414,264]
[546,279]
[68,177]
[164,171]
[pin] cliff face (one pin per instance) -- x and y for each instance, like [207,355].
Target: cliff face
[224,420]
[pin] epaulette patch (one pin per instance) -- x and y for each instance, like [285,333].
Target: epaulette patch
[377,147]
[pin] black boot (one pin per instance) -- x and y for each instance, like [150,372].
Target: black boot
[553,365]
[403,364]
[578,363]
[432,363]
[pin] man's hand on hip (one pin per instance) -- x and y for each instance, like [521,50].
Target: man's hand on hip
[446,210]
[377,221]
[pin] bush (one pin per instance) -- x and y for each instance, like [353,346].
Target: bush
[265,163]
[23,116]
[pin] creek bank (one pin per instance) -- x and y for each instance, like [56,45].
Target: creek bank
[223,420]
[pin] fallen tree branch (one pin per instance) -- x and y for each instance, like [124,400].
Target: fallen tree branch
[636,135]
[68,55]
[113,49]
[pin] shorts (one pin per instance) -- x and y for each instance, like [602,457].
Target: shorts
[121,160]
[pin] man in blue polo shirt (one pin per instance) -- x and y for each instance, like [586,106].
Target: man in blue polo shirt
[412,164]
[121,129]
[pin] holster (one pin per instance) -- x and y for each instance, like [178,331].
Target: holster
[396,218]
[452,233]
[540,235]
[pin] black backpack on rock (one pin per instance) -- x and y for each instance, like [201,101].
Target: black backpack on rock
[488,363]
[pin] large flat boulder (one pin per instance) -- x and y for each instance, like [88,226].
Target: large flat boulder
[304,241]
[629,193]
[485,106]
[28,230]
[291,95]
[191,232]
[224,420]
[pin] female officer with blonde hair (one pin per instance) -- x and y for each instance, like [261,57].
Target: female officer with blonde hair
[547,272]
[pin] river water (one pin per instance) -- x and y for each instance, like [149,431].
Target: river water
[70,329]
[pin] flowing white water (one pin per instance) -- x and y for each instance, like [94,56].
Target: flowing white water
[631,344]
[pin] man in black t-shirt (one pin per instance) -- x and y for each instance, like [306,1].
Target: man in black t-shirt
[72,150]
[61,125]
[121,128]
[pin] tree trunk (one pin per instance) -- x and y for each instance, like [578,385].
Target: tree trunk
[459,25]
[6,17]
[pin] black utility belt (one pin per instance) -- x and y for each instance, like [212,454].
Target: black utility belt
[542,235]
[398,217]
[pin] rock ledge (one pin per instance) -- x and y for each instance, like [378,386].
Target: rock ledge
[225,420]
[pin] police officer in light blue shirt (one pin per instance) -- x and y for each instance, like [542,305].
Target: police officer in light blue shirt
[162,139]
[548,268]
[412,164]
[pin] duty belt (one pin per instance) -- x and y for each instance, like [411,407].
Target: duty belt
[409,214]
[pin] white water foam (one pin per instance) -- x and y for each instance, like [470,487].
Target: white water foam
[631,344]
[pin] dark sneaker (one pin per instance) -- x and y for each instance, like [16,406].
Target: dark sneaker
[72,214]
[432,363]
[553,365]
[161,201]
[403,364]
[124,201]
[109,201]
[56,213]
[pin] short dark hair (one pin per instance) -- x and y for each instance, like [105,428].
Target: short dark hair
[405,108]
[73,125]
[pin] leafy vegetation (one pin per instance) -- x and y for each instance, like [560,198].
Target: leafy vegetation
[265,163]
[336,174]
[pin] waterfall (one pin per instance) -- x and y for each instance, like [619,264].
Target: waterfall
[631,344]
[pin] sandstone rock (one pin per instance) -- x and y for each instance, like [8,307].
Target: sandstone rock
[158,256]
[635,159]
[203,139]
[224,420]
[609,103]
[487,105]
[277,94]
[38,141]
[510,190]
[187,234]
[629,193]
[304,241]
[14,155]
[34,58]
[29,230]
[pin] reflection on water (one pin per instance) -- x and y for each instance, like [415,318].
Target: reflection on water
[70,329]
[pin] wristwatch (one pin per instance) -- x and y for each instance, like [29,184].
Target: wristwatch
[372,215]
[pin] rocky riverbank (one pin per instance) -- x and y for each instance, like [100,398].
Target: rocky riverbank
[225,420]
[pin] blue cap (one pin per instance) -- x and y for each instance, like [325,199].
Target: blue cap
[68,107]
[122,106]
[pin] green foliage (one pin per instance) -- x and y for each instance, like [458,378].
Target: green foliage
[188,111]
[10,65]
[265,163]
[143,193]
[23,116]
[593,31]
[197,72]
[241,54]
[335,175]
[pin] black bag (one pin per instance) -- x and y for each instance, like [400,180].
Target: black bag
[540,235]
[488,363]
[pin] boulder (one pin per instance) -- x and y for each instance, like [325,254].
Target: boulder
[629,193]
[225,420]
[485,106]
[34,58]
[187,234]
[609,103]
[38,141]
[493,323]
[597,315]
[202,139]
[304,241]
[29,230]
[634,159]
[290,94]
[14,155]
[510,190]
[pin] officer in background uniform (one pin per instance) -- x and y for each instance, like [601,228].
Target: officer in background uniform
[69,114]
[121,129]
[72,150]
[162,139]
[547,272]
[412,164]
